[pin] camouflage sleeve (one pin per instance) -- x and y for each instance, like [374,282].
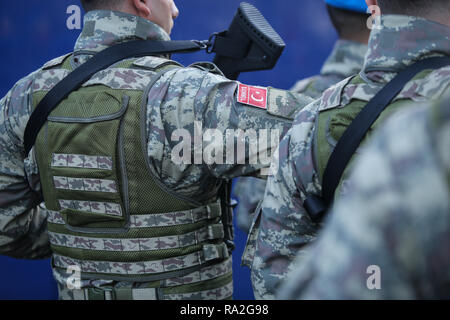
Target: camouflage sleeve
[284,227]
[206,134]
[22,222]
[388,237]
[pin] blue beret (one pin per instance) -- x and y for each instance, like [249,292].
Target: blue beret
[352,5]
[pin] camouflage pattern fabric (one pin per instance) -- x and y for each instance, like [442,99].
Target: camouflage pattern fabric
[284,228]
[249,192]
[345,60]
[395,219]
[180,98]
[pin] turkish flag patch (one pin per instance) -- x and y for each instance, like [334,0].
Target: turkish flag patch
[252,96]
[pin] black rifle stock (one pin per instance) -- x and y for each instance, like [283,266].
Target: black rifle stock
[250,44]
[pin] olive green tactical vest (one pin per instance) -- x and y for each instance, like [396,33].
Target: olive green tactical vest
[333,122]
[109,215]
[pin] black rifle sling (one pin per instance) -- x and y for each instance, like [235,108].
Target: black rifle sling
[83,73]
[227,213]
[355,133]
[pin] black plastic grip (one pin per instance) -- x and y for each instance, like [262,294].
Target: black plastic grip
[251,44]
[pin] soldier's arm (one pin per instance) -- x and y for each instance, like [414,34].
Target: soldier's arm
[219,107]
[189,102]
[284,228]
[22,222]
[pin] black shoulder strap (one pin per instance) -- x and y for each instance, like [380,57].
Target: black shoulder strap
[100,61]
[355,133]
[227,207]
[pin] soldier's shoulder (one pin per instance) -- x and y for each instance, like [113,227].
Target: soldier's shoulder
[428,85]
[316,85]
[154,63]
[56,61]
[46,66]
[24,86]
[302,85]
[197,70]
[17,102]
[332,97]
[208,67]
[431,87]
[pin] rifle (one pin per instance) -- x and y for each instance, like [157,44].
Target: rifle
[249,44]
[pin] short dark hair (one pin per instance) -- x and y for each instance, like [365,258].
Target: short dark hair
[347,22]
[89,5]
[412,7]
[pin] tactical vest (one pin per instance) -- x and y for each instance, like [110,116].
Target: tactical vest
[334,120]
[108,213]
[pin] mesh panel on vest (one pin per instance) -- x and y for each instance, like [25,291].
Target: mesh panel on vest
[79,104]
[143,188]
[124,256]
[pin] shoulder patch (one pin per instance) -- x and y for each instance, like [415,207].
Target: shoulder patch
[331,98]
[55,62]
[154,63]
[252,96]
[286,104]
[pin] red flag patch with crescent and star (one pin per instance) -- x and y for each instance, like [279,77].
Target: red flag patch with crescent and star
[252,96]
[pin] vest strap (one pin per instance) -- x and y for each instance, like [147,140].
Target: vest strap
[355,133]
[106,293]
[208,212]
[211,232]
[155,268]
[215,271]
[83,73]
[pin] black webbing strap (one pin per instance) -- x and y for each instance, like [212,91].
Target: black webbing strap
[355,133]
[227,47]
[227,214]
[100,61]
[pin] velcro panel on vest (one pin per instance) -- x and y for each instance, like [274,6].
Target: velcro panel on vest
[171,288]
[210,252]
[77,151]
[285,104]
[210,232]
[221,293]
[177,218]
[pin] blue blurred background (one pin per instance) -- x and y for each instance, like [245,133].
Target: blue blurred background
[34,31]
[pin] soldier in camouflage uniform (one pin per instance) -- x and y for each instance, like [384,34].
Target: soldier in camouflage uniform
[394,220]
[284,228]
[118,209]
[345,60]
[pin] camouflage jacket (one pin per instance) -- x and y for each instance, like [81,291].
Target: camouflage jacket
[284,226]
[345,60]
[180,98]
[388,237]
